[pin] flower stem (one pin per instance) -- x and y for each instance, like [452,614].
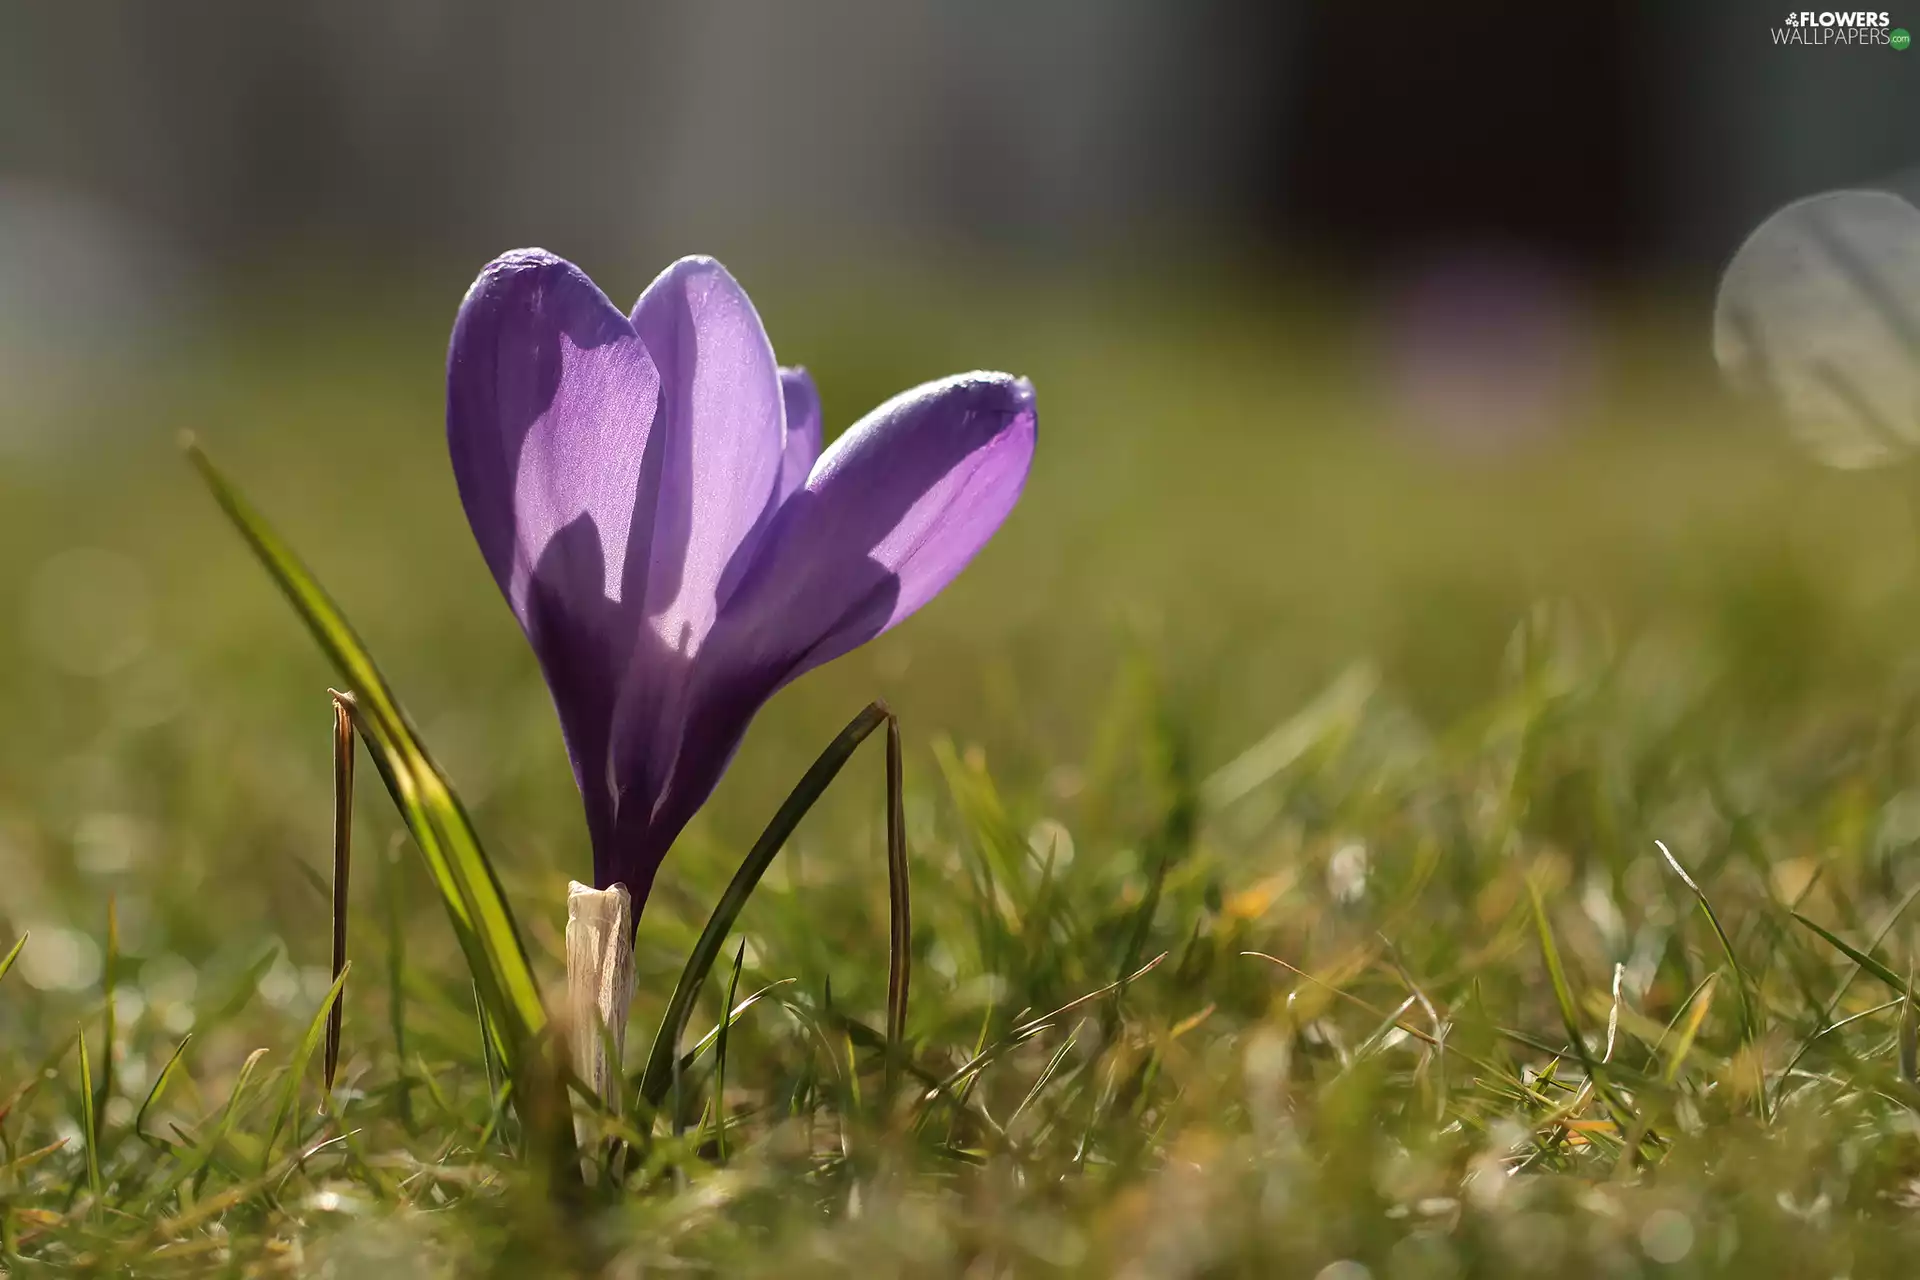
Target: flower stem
[599,984]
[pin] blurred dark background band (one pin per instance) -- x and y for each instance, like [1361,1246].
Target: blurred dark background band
[1608,136]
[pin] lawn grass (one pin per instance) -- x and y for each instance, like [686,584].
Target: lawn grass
[1359,746]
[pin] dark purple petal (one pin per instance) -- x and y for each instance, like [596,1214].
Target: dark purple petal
[551,412]
[802,448]
[889,515]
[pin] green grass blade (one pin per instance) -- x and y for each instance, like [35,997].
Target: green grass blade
[290,1090]
[6,962]
[109,966]
[393,891]
[1749,1019]
[468,885]
[14,1166]
[1172,839]
[495,1113]
[1043,1079]
[1696,1015]
[1825,1024]
[720,1057]
[342,862]
[1909,1038]
[969,1070]
[89,1121]
[1556,972]
[1142,924]
[1563,997]
[487,1056]
[244,988]
[738,1011]
[192,1171]
[659,1074]
[160,1083]
[899,901]
[1856,955]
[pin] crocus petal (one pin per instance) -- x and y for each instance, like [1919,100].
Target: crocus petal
[889,515]
[547,385]
[721,430]
[802,447]
[724,415]
[916,488]
[551,401]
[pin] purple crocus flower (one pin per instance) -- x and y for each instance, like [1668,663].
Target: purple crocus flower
[651,496]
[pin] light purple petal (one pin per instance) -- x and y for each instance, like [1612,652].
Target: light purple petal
[889,515]
[721,435]
[551,413]
[723,415]
[909,494]
[802,447]
[550,401]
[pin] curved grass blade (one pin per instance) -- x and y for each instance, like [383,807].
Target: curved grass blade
[342,861]
[14,1166]
[1170,843]
[1563,997]
[290,1091]
[960,1104]
[1331,716]
[487,1057]
[1853,953]
[393,892]
[1439,1044]
[659,1074]
[720,1058]
[239,994]
[482,921]
[109,968]
[196,1169]
[1832,1002]
[1044,1078]
[711,1039]
[6,961]
[1696,1014]
[495,1115]
[89,1121]
[899,903]
[160,1083]
[1749,1020]
[1909,1038]
[961,1076]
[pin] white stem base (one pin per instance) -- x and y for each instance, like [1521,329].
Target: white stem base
[599,984]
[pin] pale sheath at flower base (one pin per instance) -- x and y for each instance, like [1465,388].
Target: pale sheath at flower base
[651,496]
